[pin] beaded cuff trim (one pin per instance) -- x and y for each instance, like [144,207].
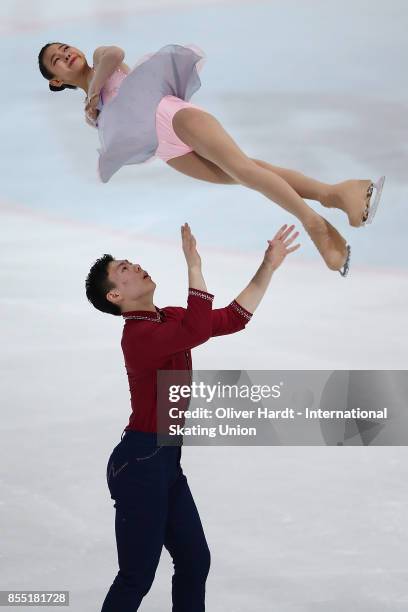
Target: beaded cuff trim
[155,318]
[202,294]
[241,310]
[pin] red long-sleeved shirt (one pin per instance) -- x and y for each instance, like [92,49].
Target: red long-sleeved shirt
[163,341]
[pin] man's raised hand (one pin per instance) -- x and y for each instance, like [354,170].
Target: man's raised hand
[193,259]
[279,246]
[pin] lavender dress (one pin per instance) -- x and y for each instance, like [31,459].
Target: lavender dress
[127,119]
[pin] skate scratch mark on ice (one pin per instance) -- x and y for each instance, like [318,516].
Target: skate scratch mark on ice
[41,215]
[11,27]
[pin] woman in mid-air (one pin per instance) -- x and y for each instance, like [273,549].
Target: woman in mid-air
[145,113]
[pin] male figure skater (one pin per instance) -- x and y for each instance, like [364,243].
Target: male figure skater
[153,501]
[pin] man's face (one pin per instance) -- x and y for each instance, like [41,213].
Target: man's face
[131,282]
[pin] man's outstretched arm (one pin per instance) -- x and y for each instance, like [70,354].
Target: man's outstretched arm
[238,313]
[194,327]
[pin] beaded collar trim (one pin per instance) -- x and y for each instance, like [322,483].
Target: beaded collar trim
[147,316]
[156,316]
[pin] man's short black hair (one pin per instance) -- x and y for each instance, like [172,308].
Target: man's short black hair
[97,286]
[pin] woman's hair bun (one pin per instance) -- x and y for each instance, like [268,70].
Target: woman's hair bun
[65,86]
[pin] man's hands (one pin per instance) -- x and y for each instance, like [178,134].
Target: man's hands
[193,259]
[278,246]
[276,252]
[195,277]
[250,297]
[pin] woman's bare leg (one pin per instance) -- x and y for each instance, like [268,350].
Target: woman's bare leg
[200,168]
[349,196]
[207,137]
[305,186]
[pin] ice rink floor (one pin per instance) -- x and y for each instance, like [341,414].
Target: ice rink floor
[315,86]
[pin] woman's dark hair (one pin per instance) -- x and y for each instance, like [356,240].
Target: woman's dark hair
[97,286]
[46,73]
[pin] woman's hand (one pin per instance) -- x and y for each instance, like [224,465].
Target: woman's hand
[193,259]
[278,246]
[91,110]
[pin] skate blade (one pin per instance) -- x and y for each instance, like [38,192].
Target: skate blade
[378,186]
[345,269]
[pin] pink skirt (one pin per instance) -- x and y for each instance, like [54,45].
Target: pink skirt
[170,144]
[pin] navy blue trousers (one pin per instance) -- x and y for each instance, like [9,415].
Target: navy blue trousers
[154,507]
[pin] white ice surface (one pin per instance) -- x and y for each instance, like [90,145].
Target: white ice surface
[318,86]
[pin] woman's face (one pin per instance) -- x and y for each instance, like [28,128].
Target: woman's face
[64,62]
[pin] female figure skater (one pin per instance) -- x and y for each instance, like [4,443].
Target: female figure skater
[145,113]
